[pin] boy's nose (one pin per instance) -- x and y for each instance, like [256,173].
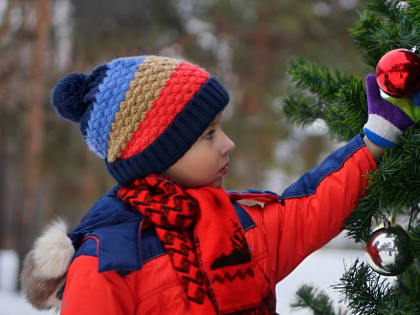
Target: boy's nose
[228,146]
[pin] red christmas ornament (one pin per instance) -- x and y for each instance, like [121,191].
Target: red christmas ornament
[398,73]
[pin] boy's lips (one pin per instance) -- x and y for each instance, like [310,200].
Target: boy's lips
[224,169]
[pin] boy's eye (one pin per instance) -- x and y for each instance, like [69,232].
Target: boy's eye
[209,135]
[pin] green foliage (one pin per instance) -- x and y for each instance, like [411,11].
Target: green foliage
[379,7]
[414,13]
[317,301]
[363,289]
[367,293]
[381,29]
[302,109]
[363,34]
[399,169]
[340,100]
[346,115]
[408,283]
[415,241]
[318,80]
[333,96]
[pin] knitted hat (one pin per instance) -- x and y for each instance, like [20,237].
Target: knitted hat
[140,114]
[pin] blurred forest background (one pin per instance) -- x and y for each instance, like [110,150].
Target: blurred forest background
[46,168]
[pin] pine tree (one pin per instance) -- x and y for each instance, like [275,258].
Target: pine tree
[340,100]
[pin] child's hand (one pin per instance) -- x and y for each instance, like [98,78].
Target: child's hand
[388,118]
[406,104]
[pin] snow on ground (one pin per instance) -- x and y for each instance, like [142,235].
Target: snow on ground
[14,304]
[9,267]
[322,269]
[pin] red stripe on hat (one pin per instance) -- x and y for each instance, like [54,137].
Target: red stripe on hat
[184,82]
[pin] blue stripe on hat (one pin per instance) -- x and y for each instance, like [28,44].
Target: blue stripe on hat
[111,92]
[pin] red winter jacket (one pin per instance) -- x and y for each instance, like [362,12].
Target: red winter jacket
[119,270]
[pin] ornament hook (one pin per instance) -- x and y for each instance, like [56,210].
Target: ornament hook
[385,215]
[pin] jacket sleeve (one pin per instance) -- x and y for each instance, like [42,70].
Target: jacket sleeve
[316,206]
[88,292]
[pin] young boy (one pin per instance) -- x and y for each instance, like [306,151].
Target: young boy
[168,239]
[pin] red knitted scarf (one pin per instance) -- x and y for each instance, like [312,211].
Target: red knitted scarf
[206,243]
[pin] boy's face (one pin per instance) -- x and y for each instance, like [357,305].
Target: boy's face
[206,162]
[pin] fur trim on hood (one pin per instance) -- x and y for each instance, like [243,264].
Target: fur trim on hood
[45,266]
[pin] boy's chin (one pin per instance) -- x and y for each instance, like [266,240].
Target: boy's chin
[217,184]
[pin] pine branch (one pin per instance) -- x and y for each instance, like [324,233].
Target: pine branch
[399,170]
[415,241]
[359,223]
[377,6]
[374,36]
[317,301]
[364,37]
[364,291]
[386,9]
[408,285]
[346,115]
[302,109]
[318,80]
[337,98]
[340,100]
[413,14]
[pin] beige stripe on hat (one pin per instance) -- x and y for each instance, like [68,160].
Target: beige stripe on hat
[144,89]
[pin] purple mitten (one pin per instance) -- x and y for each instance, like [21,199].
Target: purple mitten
[386,122]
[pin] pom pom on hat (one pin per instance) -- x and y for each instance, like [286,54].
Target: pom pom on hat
[67,97]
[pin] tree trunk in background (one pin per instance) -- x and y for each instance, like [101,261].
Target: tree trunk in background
[8,66]
[3,141]
[34,125]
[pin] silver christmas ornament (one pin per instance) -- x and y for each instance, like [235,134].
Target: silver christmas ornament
[388,250]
